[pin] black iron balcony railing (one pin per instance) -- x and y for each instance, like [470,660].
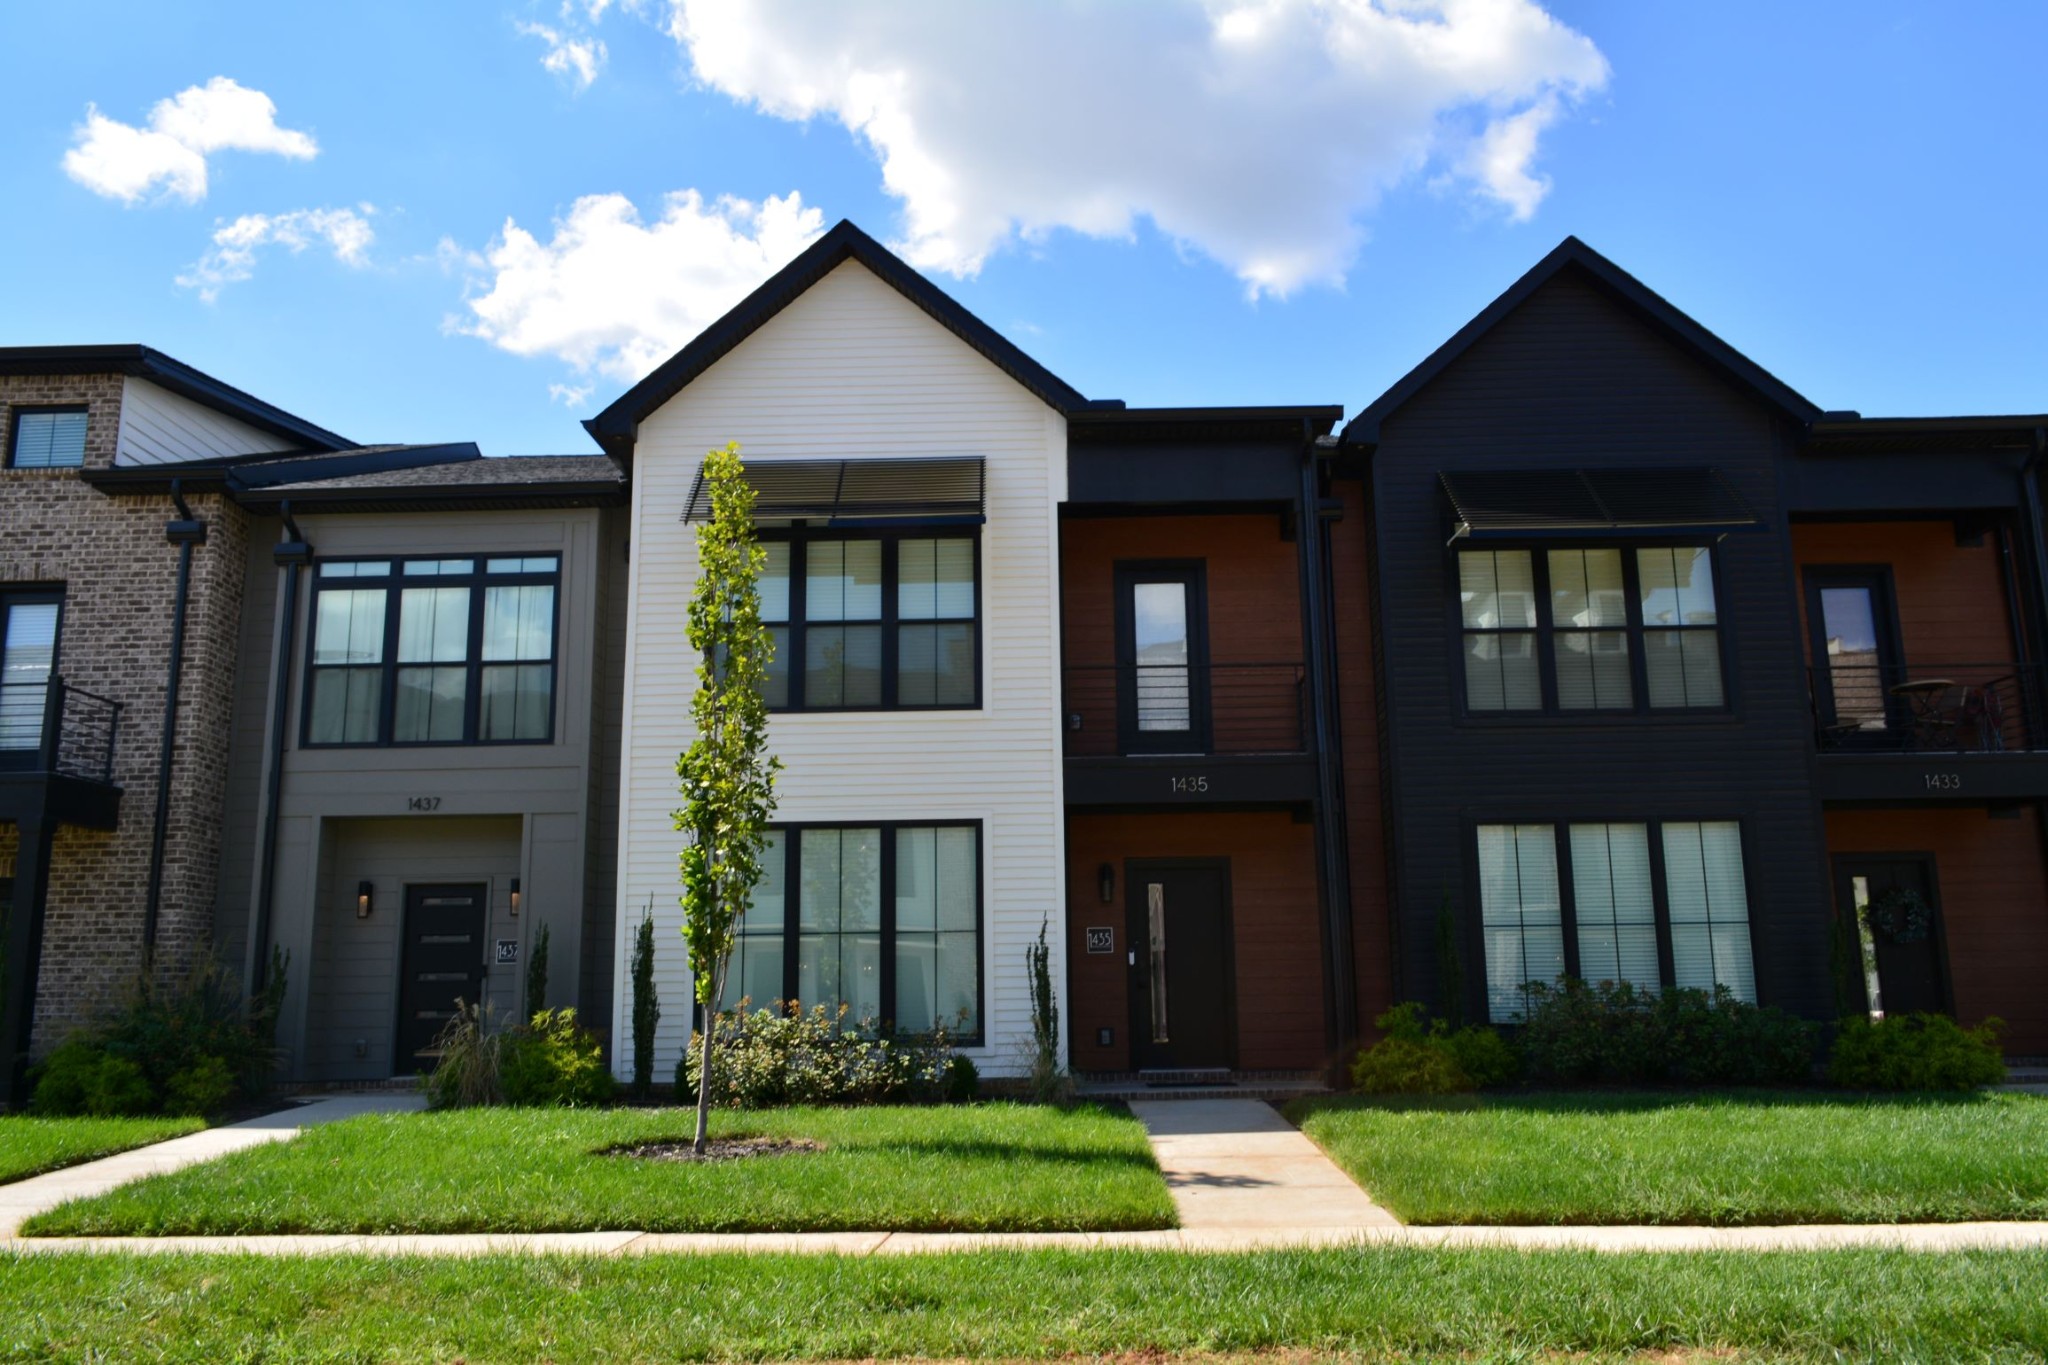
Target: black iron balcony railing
[51,727]
[1863,706]
[1113,709]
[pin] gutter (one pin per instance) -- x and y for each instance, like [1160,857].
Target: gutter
[290,555]
[185,532]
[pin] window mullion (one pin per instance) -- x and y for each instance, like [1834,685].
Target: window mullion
[886,948]
[1546,634]
[890,649]
[799,607]
[1667,972]
[387,695]
[1567,906]
[1632,606]
[473,700]
[792,915]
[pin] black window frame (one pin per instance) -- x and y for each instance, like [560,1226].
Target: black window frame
[792,913]
[799,539]
[21,410]
[1568,919]
[394,583]
[1545,632]
[28,595]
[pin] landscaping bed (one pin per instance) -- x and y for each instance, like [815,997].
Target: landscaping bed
[1380,1303]
[31,1145]
[1727,1159]
[959,1168]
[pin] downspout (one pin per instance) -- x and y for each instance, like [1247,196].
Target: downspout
[1340,974]
[2030,495]
[290,554]
[184,532]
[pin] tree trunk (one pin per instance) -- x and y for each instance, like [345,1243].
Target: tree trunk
[704,1081]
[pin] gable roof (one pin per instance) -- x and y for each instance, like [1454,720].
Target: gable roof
[1573,254]
[615,427]
[145,362]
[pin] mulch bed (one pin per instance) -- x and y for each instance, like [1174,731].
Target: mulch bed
[718,1149]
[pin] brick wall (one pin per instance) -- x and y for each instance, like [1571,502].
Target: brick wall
[119,578]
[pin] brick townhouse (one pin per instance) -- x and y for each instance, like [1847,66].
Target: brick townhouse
[1589,647]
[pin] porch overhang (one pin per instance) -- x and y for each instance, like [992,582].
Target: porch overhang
[1518,504]
[947,489]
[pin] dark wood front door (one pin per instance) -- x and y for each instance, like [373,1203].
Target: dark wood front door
[1892,902]
[443,962]
[1182,1003]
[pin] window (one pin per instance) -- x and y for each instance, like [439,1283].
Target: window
[28,660]
[1588,629]
[47,438]
[433,651]
[884,919]
[872,623]
[1654,905]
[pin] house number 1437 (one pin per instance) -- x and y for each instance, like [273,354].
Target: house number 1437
[1189,784]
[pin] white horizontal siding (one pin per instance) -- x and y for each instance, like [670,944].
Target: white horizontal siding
[852,369]
[160,427]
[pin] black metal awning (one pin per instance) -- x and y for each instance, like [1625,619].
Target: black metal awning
[1499,504]
[941,489]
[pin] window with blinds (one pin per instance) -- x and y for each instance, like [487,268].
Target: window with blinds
[47,438]
[1652,904]
[1588,629]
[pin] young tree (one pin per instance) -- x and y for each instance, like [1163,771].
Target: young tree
[728,777]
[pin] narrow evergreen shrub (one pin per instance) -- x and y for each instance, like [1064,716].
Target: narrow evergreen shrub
[1916,1052]
[646,1006]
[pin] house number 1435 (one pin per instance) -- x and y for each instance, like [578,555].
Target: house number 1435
[1189,784]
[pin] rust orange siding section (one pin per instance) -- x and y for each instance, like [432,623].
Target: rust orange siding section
[1951,598]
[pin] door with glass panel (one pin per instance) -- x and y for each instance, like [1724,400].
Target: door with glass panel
[1889,902]
[1856,655]
[1182,1001]
[1162,659]
[28,661]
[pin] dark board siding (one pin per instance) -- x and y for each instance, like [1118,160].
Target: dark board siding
[1574,379]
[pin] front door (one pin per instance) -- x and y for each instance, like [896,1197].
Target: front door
[1856,656]
[1891,900]
[443,962]
[1182,1005]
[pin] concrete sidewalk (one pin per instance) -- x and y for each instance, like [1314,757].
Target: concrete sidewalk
[1236,1165]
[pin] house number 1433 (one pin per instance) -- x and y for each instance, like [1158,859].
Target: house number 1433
[1189,784]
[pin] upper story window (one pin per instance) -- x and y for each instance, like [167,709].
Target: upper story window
[1586,629]
[47,438]
[433,651]
[873,622]
[1652,904]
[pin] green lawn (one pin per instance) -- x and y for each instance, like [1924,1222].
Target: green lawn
[1460,1305]
[29,1146]
[1731,1159]
[967,1168]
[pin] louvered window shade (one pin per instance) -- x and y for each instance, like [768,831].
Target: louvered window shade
[1615,906]
[48,439]
[1709,904]
[944,490]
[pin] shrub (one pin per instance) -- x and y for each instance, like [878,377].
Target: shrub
[1049,1081]
[768,1057]
[553,1060]
[963,1080]
[646,1005]
[205,1087]
[82,1077]
[1618,1034]
[1420,1056]
[1916,1052]
[537,970]
[467,1073]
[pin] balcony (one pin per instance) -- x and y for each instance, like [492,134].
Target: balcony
[57,745]
[1929,731]
[1179,734]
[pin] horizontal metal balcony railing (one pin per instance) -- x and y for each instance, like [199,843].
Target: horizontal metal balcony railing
[49,726]
[1137,709]
[1865,707]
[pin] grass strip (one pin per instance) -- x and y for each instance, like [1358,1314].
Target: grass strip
[1409,1304]
[29,1145]
[1726,1159]
[993,1167]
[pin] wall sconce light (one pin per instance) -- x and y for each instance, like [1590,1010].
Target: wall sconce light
[363,890]
[515,897]
[1105,877]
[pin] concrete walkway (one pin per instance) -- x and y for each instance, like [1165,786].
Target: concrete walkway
[1242,1180]
[1236,1165]
[23,1199]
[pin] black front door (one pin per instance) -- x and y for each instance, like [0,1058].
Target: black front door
[443,962]
[1182,1004]
[1892,902]
[1856,657]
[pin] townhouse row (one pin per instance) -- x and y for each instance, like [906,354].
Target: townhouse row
[1588,648]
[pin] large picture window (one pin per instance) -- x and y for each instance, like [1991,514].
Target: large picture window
[883,919]
[1590,629]
[873,622]
[1652,904]
[433,651]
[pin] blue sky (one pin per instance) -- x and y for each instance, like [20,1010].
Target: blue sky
[1168,203]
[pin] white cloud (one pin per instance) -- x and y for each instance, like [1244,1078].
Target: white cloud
[617,295]
[570,395]
[578,58]
[1256,131]
[346,232]
[124,162]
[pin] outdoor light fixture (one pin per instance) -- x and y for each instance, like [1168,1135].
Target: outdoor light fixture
[515,896]
[1106,879]
[363,890]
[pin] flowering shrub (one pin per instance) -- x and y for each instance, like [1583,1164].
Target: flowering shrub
[771,1057]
